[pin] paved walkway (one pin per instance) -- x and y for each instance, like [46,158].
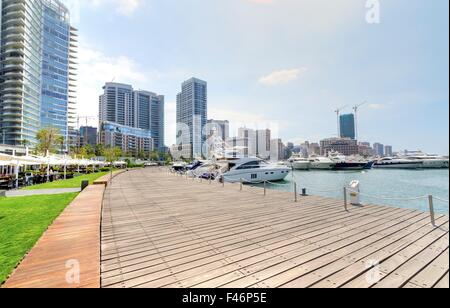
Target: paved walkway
[37,192]
[68,254]
[160,230]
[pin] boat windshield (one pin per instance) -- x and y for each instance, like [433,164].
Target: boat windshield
[251,165]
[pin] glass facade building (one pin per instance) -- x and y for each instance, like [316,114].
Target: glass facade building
[347,126]
[192,112]
[37,60]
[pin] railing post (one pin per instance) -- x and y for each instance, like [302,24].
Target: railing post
[345,199]
[210,180]
[223,181]
[265,188]
[431,205]
[295,192]
[242,180]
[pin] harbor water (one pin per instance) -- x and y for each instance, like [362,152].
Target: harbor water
[381,187]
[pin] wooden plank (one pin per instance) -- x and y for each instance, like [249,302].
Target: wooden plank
[443,283]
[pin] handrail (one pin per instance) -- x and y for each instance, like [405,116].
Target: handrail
[387,198]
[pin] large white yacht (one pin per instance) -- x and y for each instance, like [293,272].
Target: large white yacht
[251,170]
[321,163]
[298,162]
[430,161]
[398,163]
[347,163]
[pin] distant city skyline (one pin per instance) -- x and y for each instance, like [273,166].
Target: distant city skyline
[317,60]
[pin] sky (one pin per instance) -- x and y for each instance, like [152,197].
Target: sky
[284,64]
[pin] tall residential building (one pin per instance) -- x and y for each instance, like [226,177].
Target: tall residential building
[149,115]
[123,106]
[247,138]
[347,126]
[263,139]
[277,150]
[388,151]
[378,149]
[37,73]
[192,111]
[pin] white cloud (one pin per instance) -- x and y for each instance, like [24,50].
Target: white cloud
[124,7]
[282,76]
[376,106]
[95,69]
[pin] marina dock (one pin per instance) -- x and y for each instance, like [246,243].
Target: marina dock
[164,230]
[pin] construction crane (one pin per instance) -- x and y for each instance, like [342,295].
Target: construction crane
[338,113]
[355,109]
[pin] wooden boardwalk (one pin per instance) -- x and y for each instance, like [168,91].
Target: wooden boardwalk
[160,230]
[68,254]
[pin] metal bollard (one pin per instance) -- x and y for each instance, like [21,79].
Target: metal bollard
[265,188]
[345,199]
[242,180]
[432,215]
[304,194]
[210,180]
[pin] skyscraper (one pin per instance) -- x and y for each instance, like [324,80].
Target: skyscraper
[247,139]
[379,149]
[37,48]
[347,126]
[88,135]
[150,115]
[128,108]
[58,104]
[263,143]
[192,111]
[388,151]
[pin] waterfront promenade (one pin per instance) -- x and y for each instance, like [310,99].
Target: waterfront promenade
[162,230]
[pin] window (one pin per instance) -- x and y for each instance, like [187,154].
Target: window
[251,165]
[254,176]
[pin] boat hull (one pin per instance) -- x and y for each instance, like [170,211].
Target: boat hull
[435,164]
[256,176]
[322,166]
[398,166]
[350,166]
[301,165]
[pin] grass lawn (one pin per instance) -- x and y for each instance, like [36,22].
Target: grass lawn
[22,222]
[71,183]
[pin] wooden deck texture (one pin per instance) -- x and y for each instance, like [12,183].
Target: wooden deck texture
[71,245]
[160,230]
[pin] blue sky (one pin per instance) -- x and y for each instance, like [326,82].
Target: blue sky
[282,63]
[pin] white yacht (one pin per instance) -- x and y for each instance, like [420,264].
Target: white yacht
[398,163]
[252,170]
[430,161]
[321,163]
[298,162]
[347,163]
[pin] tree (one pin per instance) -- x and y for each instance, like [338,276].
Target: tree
[154,156]
[99,150]
[48,140]
[111,156]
